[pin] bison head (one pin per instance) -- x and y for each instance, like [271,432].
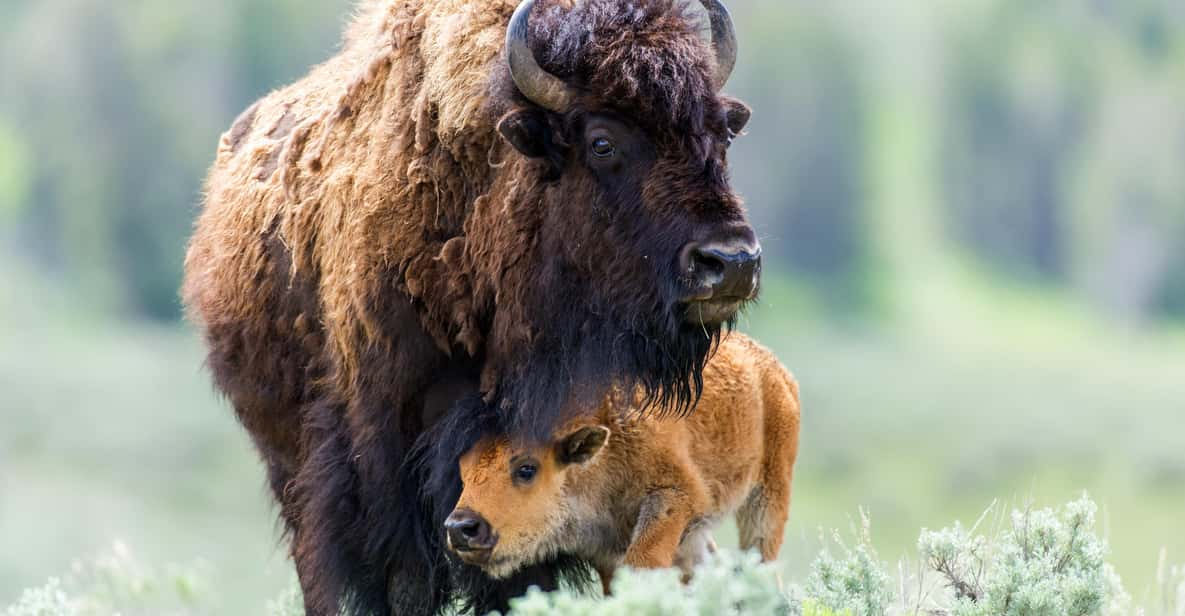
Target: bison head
[639,250]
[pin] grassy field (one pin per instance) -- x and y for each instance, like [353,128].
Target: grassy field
[113,432]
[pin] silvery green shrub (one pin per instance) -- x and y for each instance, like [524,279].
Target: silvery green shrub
[49,600]
[728,584]
[855,581]
[1034,563]
[1169,595]
[289,603]
[810,607]
[1045,563]
[118,583]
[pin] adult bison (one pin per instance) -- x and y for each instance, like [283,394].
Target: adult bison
[472,204]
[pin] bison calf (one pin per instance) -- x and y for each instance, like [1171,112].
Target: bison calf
[620,487]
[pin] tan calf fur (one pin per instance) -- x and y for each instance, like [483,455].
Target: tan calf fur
[620,488]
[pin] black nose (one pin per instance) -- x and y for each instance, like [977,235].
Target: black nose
[723,270]
[467,530]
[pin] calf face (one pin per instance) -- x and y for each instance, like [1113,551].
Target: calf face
[513,506]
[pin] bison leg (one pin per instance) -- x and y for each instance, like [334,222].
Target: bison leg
[606,575]
[762,519]
[760,522]
[695,548]
[661,523]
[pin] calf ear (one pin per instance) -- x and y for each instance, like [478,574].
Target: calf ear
[528,131]
[580,446]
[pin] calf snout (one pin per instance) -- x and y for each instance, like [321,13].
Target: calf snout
[469,534]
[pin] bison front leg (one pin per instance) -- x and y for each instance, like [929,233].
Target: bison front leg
[605,572]
[662,520]
[696,547]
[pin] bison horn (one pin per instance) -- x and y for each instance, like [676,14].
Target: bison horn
[724,39]
[539,86]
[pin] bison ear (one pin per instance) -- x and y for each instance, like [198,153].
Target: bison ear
[580,446]
[528,131]
[737,115]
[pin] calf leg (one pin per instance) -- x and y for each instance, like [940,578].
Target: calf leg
[761,521]
[762,518]
[661,523]
[697,545]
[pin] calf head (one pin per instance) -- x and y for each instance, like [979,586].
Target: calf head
[515,508]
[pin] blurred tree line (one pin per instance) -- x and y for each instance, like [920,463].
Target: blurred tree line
[1060,130]
[110,115]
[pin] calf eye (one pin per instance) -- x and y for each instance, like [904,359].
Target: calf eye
[602,147]
[525,473]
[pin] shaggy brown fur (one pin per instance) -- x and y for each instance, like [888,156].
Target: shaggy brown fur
[371,252]
[628,488]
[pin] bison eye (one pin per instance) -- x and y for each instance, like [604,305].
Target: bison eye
[525,473]
[603,148]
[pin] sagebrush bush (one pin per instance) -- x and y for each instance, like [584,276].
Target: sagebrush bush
[810,607]
[728,584]
[118,583]
[1169,595]
[49,600]
[1047,563]
[289,603]
[1033,563]
[855,581]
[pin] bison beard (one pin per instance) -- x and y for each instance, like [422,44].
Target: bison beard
[377,274]
[592,345]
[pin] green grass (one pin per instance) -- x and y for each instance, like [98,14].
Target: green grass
[113,432]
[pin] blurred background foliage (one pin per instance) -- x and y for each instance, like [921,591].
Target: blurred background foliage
[974,215]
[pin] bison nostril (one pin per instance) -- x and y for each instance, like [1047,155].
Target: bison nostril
[707,265]
[468,531]
[722,271]
[469,528]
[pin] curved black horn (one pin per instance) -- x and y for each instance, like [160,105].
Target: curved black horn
[724,39]
[539,86]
